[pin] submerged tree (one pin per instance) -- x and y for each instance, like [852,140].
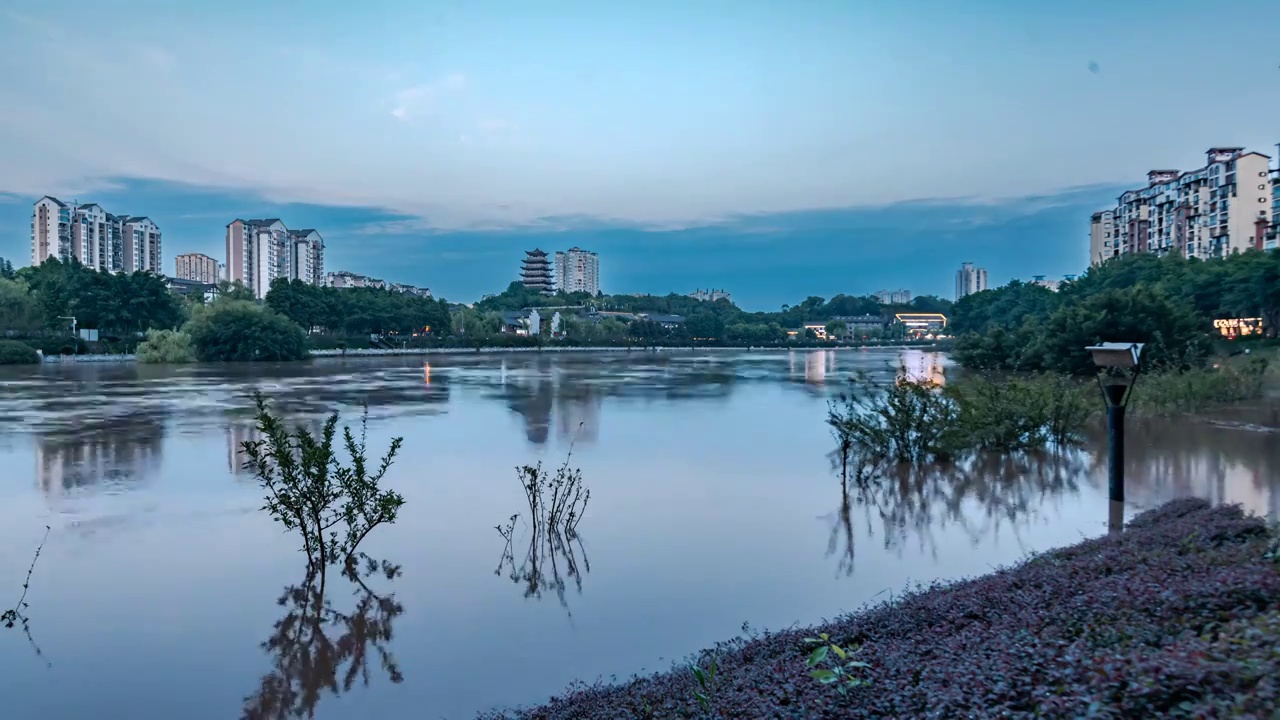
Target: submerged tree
[334,506]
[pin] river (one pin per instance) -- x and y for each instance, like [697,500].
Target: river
[163,590]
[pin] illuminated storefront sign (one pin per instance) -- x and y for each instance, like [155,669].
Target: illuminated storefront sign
[1238,327]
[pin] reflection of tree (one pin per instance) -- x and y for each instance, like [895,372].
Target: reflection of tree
[1236,462]
[121,449]
[979,495]
[316,648]
[549,560]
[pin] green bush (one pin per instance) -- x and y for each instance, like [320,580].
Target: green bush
[167,347]
[238,330]
[1193,391]
[1021,413]
[13,352]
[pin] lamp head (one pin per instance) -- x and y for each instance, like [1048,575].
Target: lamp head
[1125,356]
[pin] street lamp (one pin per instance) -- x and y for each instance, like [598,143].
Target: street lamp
[1118,367]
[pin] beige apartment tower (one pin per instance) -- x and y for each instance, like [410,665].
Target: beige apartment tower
[1210,212]
[1102,233]
[197,267]
[93,237]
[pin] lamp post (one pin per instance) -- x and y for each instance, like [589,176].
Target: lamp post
[1118,367]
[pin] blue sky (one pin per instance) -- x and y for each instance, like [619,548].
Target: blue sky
[764,146]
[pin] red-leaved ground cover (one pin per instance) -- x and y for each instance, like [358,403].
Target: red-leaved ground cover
[1179,616]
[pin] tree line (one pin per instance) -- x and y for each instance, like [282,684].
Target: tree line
[1167,302]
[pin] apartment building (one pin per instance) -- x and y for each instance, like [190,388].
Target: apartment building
[262,250]
[1102,232]
[577,270]
[1210,212]
[1270,236]
[197,267]
[94,237]
[344,279]
[710,295]
[970,280]
[307,261]
[893,297]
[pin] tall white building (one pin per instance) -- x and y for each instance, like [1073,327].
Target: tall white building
[577,270]
[1213,211]
[260,251]
[970,280]
[93,237]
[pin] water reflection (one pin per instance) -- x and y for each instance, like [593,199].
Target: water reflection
[118,451]
[549,560]
[316,649]
[979,495]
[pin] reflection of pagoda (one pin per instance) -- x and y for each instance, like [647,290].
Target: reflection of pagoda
[578,415]
[123,452]
[535,272]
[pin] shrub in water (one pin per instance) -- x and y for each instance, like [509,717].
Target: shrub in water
[13,352]
[166,346]
[334,506]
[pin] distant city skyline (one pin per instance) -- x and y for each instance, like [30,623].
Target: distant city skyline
[764,261]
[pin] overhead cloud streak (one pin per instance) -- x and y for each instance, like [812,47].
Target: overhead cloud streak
[659,114]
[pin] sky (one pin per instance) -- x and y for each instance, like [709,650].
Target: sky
[778,149]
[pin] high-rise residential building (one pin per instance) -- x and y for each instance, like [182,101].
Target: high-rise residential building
[1210,212]
[893,297]
[535,272]
[50,230]
[710,295]
[970,280]
[1271,234]
[141,244]
[93,237]
[577,270]
[197,267]
[307,261]
[1102,234]
[260,251]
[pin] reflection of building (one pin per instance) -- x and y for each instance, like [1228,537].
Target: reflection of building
[125,451]
[922,367]
[970,280]
[237,436]
[817,364]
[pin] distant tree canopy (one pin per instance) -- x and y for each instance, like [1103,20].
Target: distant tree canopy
[358,310]
[720,320]
[1166,302]
[110,302]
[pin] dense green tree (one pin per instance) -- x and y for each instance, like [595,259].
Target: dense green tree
[19,311]
[110,302]
[239,330]
[837,329]
[6,269]
[359,311]
[13,352]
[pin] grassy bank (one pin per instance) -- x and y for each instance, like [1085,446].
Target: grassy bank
[1179,616]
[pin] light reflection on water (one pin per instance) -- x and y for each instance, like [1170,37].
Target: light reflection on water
[713,503]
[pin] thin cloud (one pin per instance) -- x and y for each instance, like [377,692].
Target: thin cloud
[422,98]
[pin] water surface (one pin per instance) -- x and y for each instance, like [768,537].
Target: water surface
[164,592]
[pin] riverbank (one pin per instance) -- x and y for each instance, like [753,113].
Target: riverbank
[1178,616]
[398,352]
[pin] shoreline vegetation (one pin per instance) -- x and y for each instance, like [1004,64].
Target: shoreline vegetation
[1176,616]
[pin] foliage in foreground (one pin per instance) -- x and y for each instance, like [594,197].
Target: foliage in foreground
[166,347]
[334,506]
[13,352]
[1179,616]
